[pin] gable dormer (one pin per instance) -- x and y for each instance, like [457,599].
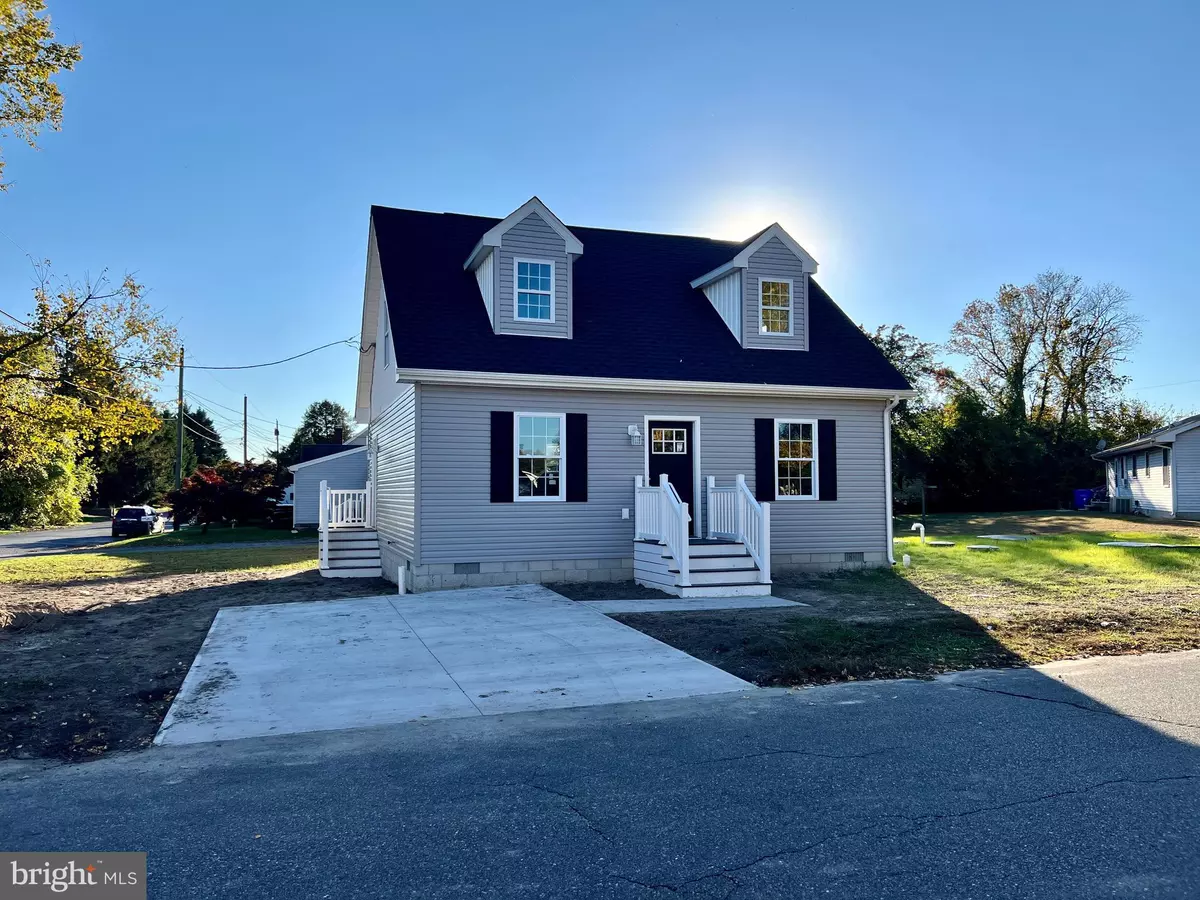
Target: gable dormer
[524,267]
[762,293]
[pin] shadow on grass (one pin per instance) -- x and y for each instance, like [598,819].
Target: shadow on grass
[78,684]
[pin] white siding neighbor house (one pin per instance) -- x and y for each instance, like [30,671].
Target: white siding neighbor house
[550,403]
[1157,475]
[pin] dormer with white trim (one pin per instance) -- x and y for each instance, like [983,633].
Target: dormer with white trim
[762,293]
[524,266]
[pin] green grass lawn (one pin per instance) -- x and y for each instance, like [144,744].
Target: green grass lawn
[66,567]
[216,534]
[1058,596]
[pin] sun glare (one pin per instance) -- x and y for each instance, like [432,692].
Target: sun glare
[735,218]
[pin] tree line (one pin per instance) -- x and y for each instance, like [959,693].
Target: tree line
[1042,386]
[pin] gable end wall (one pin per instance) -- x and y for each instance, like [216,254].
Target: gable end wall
[774,259]
[531,238]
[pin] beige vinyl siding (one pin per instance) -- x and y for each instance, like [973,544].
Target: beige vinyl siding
[531,238]
[774,259]
[347,472]
[393,436]
[459,524]
[1148,489]
[1186,462]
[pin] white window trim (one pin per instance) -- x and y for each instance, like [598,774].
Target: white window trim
[517,260]
[674,440]
[562,459]
[816,494]
[791,308]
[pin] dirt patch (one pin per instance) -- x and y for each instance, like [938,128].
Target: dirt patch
[606,590]
[91,668]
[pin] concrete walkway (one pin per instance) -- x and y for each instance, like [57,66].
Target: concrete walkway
[689,605]
[298,667]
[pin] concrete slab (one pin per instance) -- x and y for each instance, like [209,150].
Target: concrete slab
[299,667]
[690,605]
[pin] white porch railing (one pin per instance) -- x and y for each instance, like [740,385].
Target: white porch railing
[659,515]
[340,508]
[735,514]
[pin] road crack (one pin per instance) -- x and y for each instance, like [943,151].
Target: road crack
[1077,705]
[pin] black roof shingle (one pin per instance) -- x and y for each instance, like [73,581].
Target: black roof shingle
[635,313]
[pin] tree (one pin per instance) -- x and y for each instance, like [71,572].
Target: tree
[210,450]
[322,423]
[143,469]
[75,382]
[1001,338]
[30,58]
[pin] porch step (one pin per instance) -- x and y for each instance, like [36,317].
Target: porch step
[707,551]
[721,563]
[358,572]
[352,553]
[719,576]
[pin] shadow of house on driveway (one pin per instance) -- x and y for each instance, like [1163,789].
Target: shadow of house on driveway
[97,672]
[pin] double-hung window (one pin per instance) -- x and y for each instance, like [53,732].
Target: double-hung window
[796,459]
[535,290]
[541,456]
[775,305]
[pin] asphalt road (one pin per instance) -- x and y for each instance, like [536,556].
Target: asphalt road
[1076,781]
[54,540]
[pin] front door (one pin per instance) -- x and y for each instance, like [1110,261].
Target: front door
[672,452]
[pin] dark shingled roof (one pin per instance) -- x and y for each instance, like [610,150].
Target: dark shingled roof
[635,313]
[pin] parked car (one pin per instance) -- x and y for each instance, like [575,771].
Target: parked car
[135,520]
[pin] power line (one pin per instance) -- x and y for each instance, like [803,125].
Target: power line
[346,341]
[236,412]
[1171,384]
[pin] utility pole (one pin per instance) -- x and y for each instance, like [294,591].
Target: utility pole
[245,454]
[276,437]
[179,438]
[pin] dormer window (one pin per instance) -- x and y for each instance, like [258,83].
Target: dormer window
[775,306]
[535,290]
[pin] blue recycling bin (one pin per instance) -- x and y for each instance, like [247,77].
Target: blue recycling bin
[1083,498]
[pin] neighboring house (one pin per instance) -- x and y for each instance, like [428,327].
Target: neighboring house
[339,465]
[549,403]
[1158,474]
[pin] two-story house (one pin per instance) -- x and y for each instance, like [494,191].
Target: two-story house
[551,403]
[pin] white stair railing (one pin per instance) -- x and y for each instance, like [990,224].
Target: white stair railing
[676,524]
[722,511]
[323,526]
[347,508]
[660,515]
[754,528]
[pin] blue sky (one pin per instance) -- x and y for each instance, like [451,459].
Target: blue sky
[227,153]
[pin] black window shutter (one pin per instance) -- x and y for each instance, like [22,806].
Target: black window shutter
[827,459]
[764,460]
[577,458]
[503,464]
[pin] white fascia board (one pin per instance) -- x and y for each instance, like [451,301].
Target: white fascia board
[642,385]
[339,455]
[368,333]
[492,237]
[742,260]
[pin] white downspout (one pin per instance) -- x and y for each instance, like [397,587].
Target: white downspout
[887,475]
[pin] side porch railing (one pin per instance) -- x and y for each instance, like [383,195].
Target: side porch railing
[659,515]
[735,514]
[341,508]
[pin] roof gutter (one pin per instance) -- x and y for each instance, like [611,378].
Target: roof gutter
[645,385]
[887,475]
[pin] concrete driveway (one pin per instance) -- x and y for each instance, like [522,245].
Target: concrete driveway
[298,667]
